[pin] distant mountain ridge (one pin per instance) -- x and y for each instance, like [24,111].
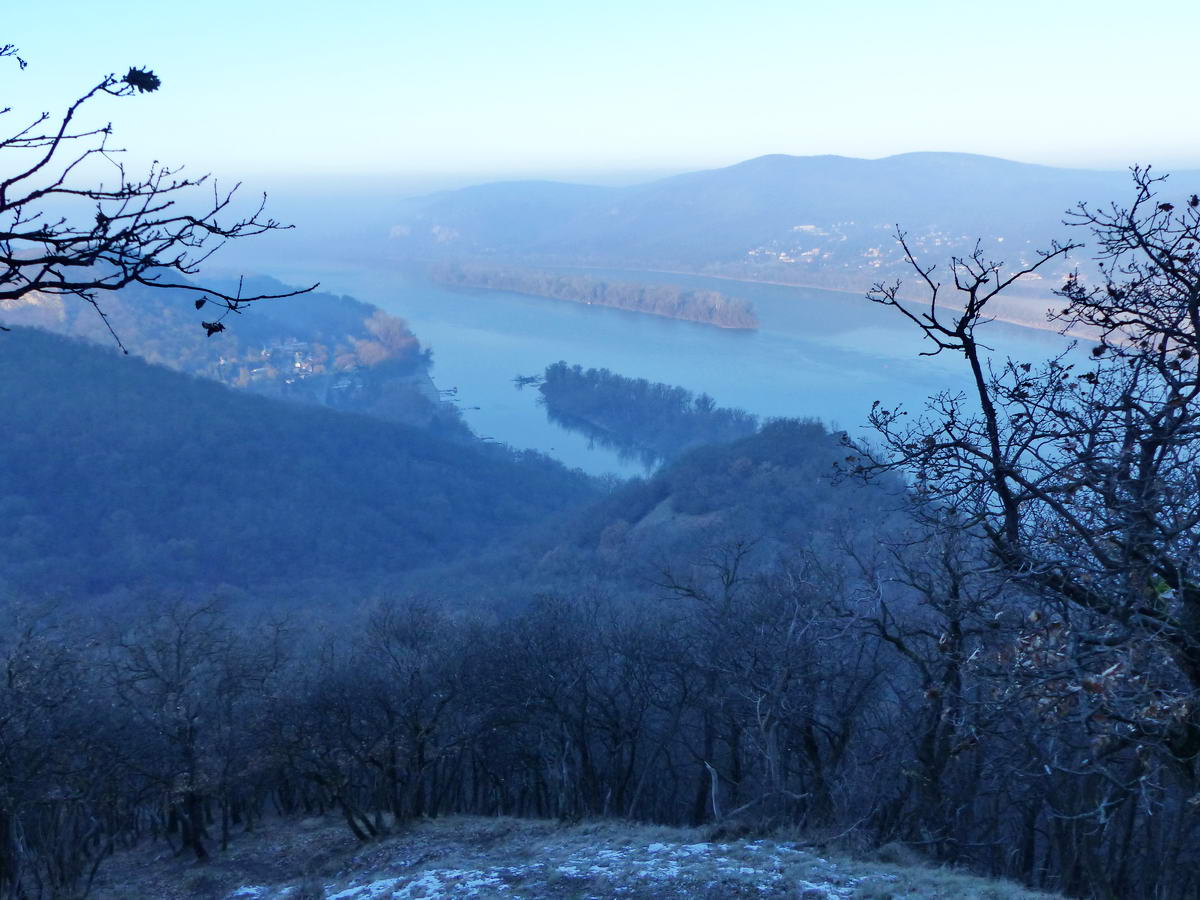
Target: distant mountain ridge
[820,220]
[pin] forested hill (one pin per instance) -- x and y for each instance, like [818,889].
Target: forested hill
[164,327]
[825,221]
[314,347]
[120,474]
[774,491]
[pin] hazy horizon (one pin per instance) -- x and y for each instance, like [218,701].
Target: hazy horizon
[467,91]
[428,181]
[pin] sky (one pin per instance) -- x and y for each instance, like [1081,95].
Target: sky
[456,90]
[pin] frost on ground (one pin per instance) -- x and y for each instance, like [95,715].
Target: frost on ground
[573,865]
[461,857]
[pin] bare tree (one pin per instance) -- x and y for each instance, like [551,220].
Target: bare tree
[51,805]
[1081,477]
[74,221]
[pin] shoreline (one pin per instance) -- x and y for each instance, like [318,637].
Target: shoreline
[642,312]
[1008,320]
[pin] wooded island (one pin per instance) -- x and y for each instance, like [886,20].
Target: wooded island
[670,300]
[640,419]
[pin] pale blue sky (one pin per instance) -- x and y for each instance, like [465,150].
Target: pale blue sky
[261,87]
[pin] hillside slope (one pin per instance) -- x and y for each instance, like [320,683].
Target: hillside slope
[774,491]
[314,348]
[120,474]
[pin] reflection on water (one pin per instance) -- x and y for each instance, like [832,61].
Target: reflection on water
[817,354]
[627,452]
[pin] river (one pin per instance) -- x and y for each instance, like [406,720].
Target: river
[819,354]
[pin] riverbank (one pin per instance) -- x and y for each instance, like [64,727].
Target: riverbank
[669,301]
[1024,312]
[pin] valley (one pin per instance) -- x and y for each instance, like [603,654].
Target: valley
[613,526]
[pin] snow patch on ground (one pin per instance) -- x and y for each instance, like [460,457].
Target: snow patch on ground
[523,859]
[657,869]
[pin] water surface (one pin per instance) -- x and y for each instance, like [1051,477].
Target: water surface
[816,353]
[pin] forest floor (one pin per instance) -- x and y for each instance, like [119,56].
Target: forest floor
[469,857]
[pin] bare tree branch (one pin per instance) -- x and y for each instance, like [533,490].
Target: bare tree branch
[151,229]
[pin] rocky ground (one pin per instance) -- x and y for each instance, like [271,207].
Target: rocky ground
[464,857]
